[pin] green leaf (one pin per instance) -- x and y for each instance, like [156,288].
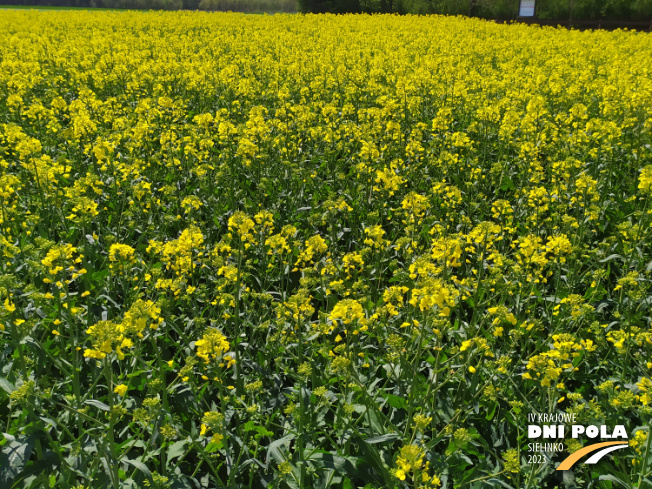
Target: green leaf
[49,421]
[374,461]
[342,465]
[176,450]
[494,482]
[274,449]
[251,426]
[374,422]
[568,477]
[490,415]
[507,184]
[452,446]
[100,275]
[613,478]
[382,438]
[139,465]
[212,447]
[97,404]
[6,386]
[13,458]
[396,402]
[612,257]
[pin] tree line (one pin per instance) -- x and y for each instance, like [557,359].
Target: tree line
[247,6]
[622,10]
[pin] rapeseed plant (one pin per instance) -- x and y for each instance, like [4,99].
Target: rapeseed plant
[237,249]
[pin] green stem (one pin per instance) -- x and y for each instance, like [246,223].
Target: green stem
[647,451]
[300,440]
[236,342]
[164,396]
[112,446]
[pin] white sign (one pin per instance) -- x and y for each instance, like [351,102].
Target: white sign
[527,8]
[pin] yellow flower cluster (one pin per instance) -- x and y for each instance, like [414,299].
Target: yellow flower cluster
[108,336]
[350,311]
[213,421]
[411,462]
[121,256]
[212,345]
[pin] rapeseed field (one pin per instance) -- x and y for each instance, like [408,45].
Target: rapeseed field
[321,251]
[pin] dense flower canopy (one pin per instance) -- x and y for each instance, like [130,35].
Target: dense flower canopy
[319,251]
